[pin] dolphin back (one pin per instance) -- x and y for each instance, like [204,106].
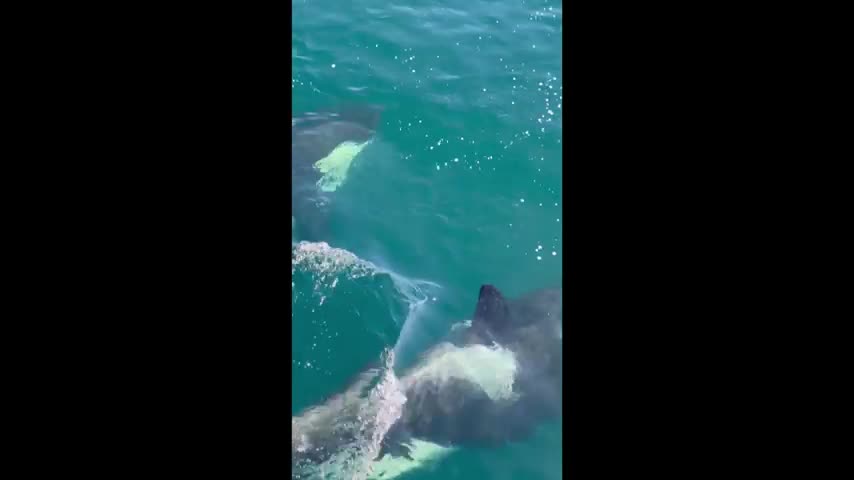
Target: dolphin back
[324,145]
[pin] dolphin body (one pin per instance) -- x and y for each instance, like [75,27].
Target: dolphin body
[323,147]
[493,381]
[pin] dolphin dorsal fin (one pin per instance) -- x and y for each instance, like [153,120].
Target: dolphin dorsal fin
[492,311]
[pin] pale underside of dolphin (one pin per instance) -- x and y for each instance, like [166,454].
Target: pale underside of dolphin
[488,383]
[324,147]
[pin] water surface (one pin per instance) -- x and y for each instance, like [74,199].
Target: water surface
[461,187]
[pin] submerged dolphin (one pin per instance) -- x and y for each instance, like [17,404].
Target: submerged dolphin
[493,381]
[323,147]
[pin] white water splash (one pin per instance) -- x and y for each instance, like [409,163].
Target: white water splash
[323,260]
[388,397]
[367,421]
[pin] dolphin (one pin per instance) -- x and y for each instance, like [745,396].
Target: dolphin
[323,148]
[494,380]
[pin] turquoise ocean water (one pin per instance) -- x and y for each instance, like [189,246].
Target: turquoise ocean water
[461,187]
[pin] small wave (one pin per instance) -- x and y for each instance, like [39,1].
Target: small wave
[328,264]
[357,423]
